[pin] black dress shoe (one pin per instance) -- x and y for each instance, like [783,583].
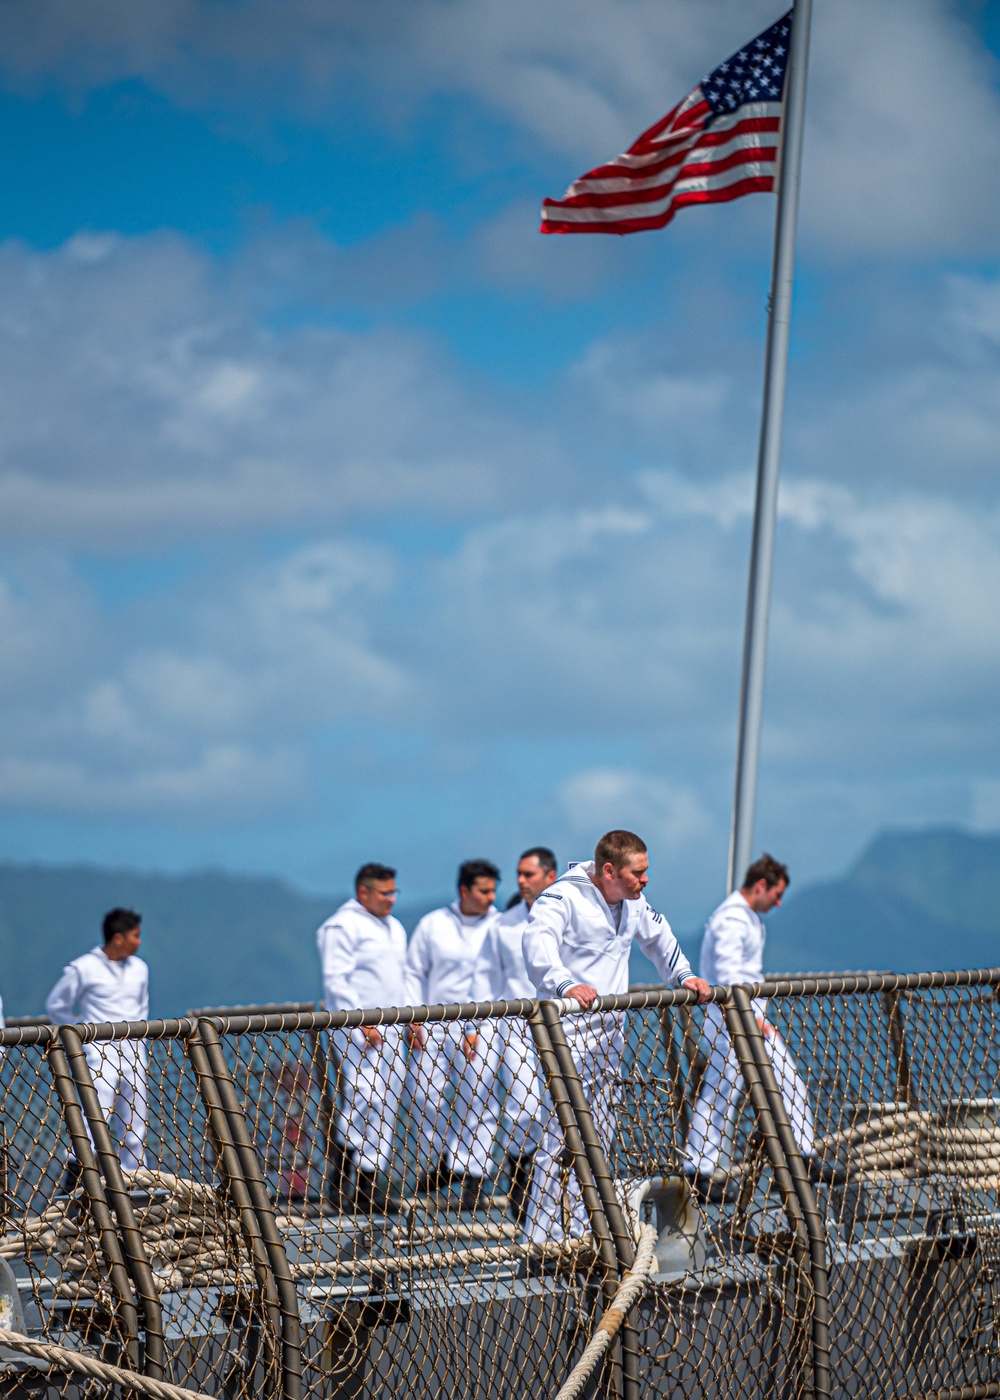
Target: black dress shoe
[538,1268]
[72,1177]
[472,1192]
[520,1170]
[819,1170]
[337,1187]
[369,1197]
[433,1180]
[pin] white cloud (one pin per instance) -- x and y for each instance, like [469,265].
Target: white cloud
[224,780]
[214,716]
[627,623]
[682,835]
[600,799]
[145,396]
[893,163]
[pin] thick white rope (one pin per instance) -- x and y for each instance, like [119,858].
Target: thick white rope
[65,1359]
[631,1289]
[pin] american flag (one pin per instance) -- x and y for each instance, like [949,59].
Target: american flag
[720,142]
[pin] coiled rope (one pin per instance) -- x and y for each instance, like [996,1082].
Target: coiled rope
[65,1359]
[630,1290]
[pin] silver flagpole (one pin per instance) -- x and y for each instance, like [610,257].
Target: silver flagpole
[769,454]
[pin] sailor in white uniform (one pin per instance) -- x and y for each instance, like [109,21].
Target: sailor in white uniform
[732,951]
[512,1061]
[576,944]
[112,984]
[362,949]
[449,1086]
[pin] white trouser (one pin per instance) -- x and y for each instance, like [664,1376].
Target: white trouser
[119,1071]
[450,1093]
[555,1206]
[371,1085]
[721,1088]
[513,1084]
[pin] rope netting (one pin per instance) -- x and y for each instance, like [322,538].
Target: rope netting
[68,1275]
[792,1191]
[729,1306]
[905,1087]
[402,1165]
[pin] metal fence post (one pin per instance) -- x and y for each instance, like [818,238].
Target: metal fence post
[589,1192]
[120,1202]
[291,1331]
[624,1244]
[804,1194]
[892,1001]
[118,1275]
[229,1164]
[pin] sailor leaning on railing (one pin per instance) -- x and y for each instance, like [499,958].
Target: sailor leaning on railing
[576,944]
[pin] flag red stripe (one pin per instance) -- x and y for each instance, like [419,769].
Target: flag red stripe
[698,184]
[718,135]
[751,185]
[748,155]
[692,108]
[623,176]
[610,199]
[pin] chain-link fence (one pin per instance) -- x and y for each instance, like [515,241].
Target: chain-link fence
[400,1157]
[680,1117]
[904,1083]
[447,1200]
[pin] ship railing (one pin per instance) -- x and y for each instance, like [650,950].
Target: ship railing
[845,1239]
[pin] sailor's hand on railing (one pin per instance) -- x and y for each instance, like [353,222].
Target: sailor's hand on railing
[585,995]
[699,985]
[416,1037]
[372,1035]
[469,1043]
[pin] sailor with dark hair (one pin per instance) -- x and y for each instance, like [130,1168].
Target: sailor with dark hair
[111,983]
[362,949]
[732,951]
[511,1059]
[449,1087]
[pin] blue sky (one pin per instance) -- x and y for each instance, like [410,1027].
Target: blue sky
[345,517]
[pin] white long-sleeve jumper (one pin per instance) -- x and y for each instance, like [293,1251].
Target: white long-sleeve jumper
[732,949]
[95,987]
[573,936]
[363,959]
[503,955]
[444,962]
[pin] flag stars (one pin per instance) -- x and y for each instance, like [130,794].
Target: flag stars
[756,71]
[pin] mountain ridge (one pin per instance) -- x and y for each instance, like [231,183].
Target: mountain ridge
[913,900]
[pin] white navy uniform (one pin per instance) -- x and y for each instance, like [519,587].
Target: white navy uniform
[363,959]
[445,964]
[732,951]
[95,987]
[512,1059]
[573,937]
